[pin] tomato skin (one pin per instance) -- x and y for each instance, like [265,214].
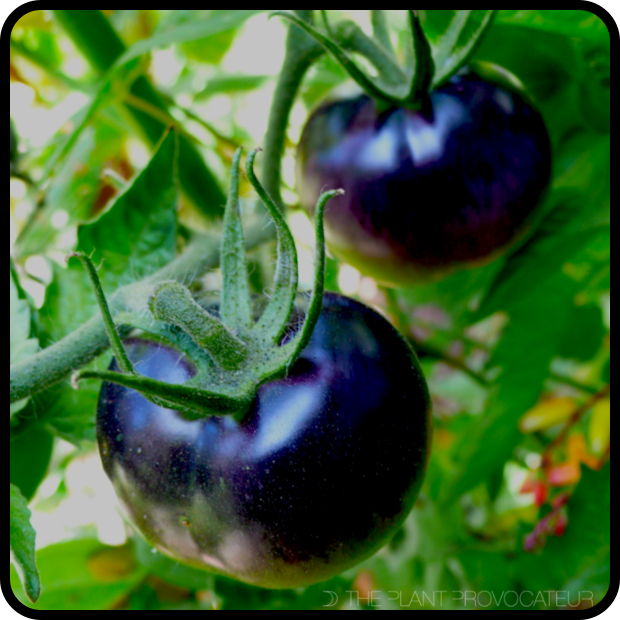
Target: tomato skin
[428,191]
[320,474]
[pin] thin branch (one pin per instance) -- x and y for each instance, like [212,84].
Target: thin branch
[572,421]
[578,385]
[56,363]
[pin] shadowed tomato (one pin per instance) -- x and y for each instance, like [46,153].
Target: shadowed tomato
[321,472]
[428,191]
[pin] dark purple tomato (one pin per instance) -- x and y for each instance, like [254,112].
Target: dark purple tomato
[428,191]
[320,474]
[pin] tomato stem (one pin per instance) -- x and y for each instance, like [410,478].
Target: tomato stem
[301,52]
[393,86]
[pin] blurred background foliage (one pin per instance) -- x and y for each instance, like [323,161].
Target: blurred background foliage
[517,353]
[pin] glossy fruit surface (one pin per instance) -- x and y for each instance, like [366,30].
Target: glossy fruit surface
[320,474]
[428,191]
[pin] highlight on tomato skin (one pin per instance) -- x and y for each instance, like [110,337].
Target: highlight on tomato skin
[427,191]
[319,475]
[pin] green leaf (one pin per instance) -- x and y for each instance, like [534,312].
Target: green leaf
[524,357]
[457,294]
[584,162]
[546,65]
[137,233]
[595,88]
[83,575]
[22,536]
[326,74]
[210,49]
[229,84]
[457,39]
[21,345]
[171,571]
[41,45]
[74,190]
[93,35]
[585,334]
[69,302]
[72,413]
[576,24]
[113,86]
[487,571]
[192,31]
[30,454]
[577,220]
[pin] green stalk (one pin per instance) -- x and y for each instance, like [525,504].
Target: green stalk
[56,363]
[301,52]
[93,35]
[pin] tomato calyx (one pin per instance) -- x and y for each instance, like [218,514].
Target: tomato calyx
[233,354]
[394,85]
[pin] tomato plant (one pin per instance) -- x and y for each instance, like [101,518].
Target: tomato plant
[261,440]
[431,190]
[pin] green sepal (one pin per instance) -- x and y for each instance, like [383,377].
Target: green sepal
[22,544]
[188,398]
[380,29]
[459,41]
[298,344]
[393,86]
[274,320]
[230,366]
[172,303]
[236,307]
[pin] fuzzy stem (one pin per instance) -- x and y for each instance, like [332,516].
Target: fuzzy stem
[56,363]
[301,52]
